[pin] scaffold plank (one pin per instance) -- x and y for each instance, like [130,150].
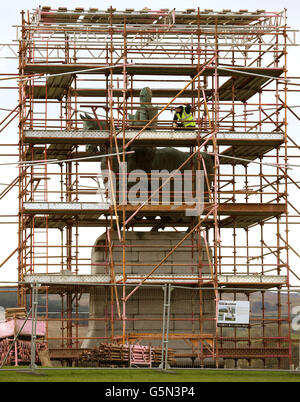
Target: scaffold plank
[66,207]
[87,214]
[234,209]
[40,92]
[244,89]
[93,15]
[55,88]
[225,281]
[248,353]
[153,137]
[171,69]
[63,221]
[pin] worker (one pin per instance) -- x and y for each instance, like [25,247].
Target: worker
[183,116]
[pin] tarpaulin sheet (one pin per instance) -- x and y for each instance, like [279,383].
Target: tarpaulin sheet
[11,327]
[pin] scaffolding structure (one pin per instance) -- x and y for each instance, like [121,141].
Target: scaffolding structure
[232,68]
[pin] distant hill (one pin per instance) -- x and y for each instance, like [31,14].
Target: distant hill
[270,302]
[9,299]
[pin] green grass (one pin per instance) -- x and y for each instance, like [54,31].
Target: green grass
[141,375]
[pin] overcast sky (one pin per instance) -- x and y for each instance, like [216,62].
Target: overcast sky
[10,16]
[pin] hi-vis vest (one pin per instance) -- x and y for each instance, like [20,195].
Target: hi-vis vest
[186,119]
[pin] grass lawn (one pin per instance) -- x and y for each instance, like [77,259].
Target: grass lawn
[141,375]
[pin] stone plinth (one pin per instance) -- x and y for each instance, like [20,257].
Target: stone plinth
[144,309]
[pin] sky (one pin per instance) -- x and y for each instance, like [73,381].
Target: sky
[10,16]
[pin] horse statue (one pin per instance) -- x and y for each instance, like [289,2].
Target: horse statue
[149,159]
[146,111]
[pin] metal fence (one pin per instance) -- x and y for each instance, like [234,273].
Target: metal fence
[164,326]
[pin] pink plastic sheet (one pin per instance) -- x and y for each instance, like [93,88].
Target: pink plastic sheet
[11,327]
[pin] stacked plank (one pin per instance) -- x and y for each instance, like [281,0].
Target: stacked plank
[90,356]
[141,355]
[114,353]
[4,346]
[15,312]
[156,352]
[126,355]
[20,353]
[107,354]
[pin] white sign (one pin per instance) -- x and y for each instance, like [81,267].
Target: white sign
[233,313]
